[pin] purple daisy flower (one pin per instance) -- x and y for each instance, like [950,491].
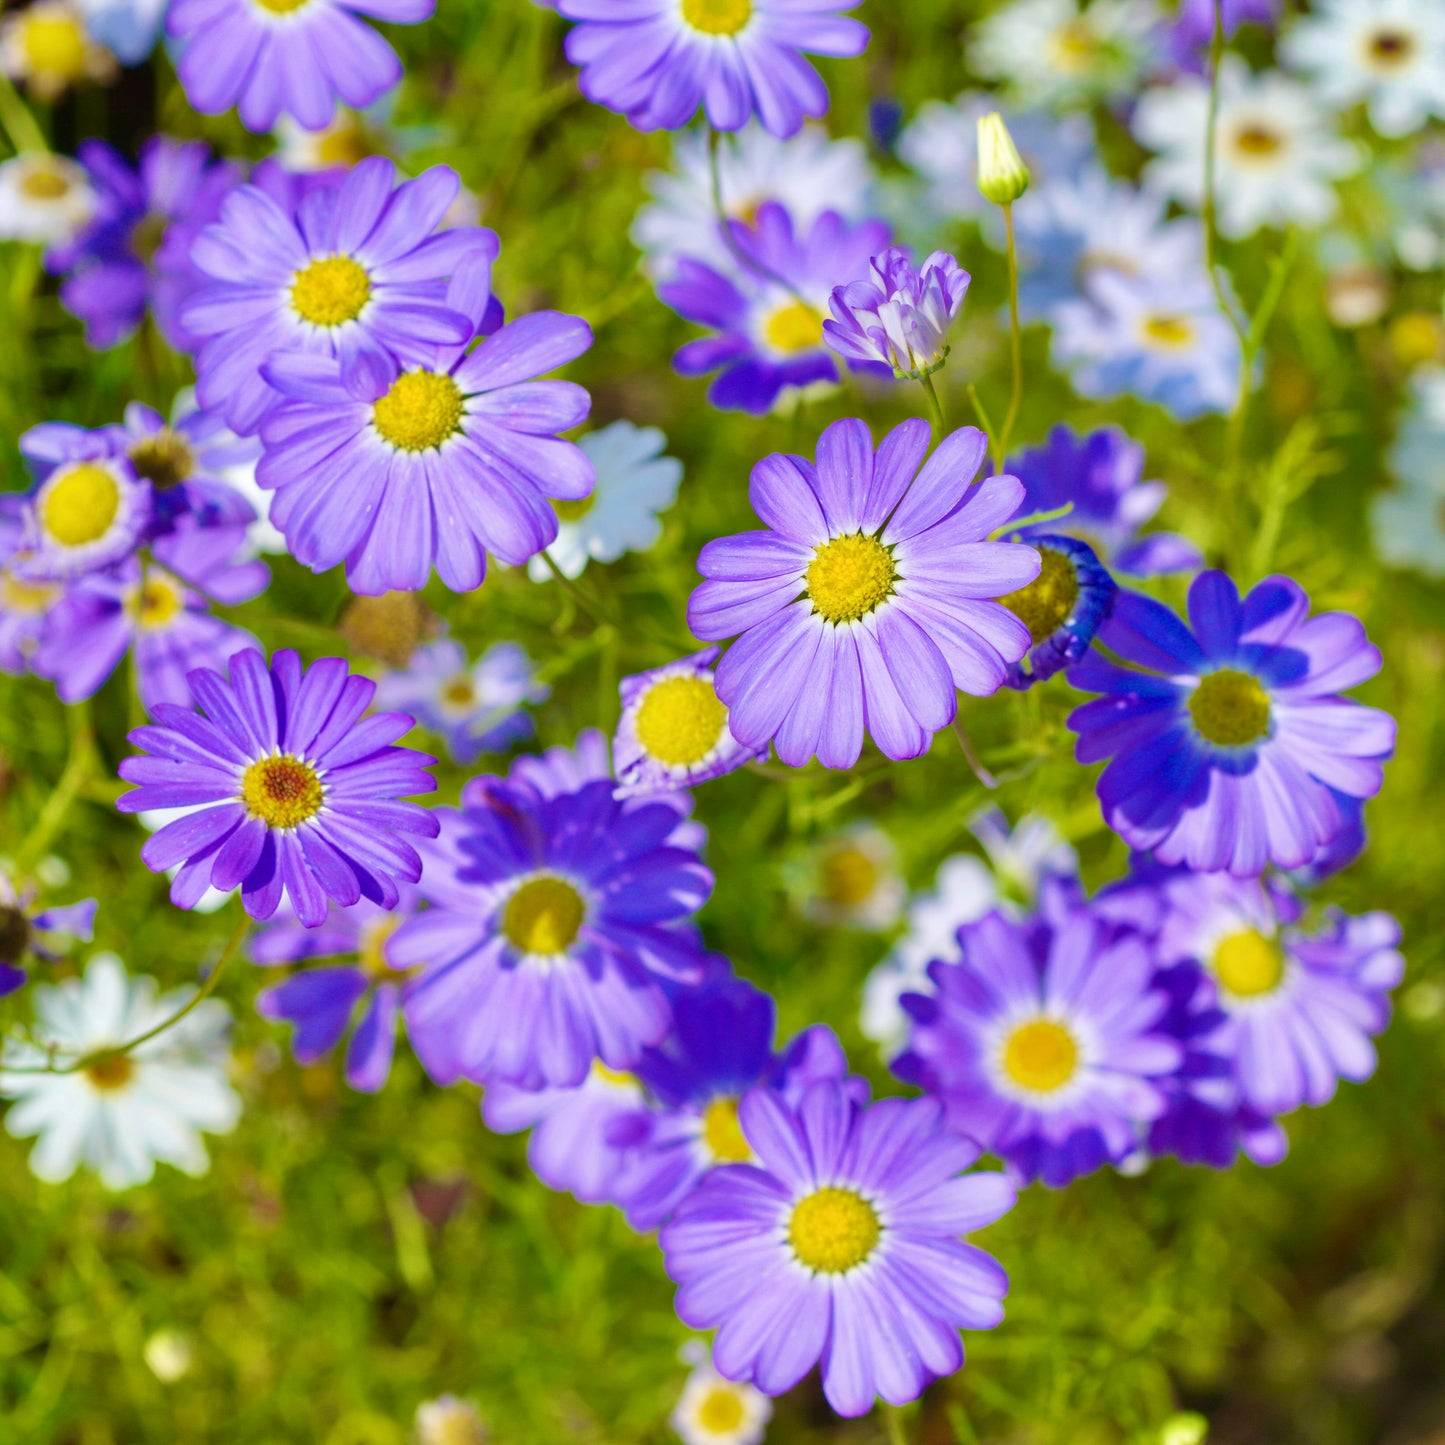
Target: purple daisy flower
[1230,741]
[900,317]
[657,61]
[1044,1043]
[24,604]
[136,251]
[286,57]
[769,315]
[1188,38]
[26,931]
[435,465]
[475,706]
[322,1002]
[1101,476]
[674,731]
[293,792]
[869,602]
[85,515]
[840,1246]
[357,272]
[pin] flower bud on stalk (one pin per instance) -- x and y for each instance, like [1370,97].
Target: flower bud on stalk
[1002,175]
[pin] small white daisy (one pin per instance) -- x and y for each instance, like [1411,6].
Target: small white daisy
[43,198]
[1388,53]
[48,46]
[852,879]
[1277,154]
[449,1421]
[713,1410]
[635,482]
[123,1113]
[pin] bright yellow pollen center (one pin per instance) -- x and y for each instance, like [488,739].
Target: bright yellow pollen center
[1229,708]
[43,185]
[1171,332]
[1041,1055]
[1074,47]
[331,292]
[720,1410]
[722,1133]
[26,598]
[54,45]
[849,576]
[110,1072]
[543,916]
[371,954]
[611,1076]
[1256,140]
[459,692]
[348,145]
[157,603]
[422,409]
[680,720]
[573,510]
[717,17]
[833,1230]
[1247,964]
[1048,601]
[283,7]
[849,876]
[163,459]
[794,327]
[80,505]
[282,791]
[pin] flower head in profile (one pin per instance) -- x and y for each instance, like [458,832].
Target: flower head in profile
[43,197]
[901,316]
[30,932]
[49,47]
[868,603]
[840,1246]
[291,791]
[1063,607]
[1229,739]
[658,61]
[713,1410]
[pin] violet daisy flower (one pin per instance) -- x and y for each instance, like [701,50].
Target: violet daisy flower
[1044,1043]
[292,792]
[27,931]
[357,271]
[870,600]
[24,604]
[657,61]
[769,314]
[286,57]
[85,515]
[1101,476]
[136,250]
[674,729]
[1230,741]
[841,1247]
[900,317]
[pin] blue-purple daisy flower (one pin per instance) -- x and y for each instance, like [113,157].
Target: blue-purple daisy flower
[769,313]
[840,1247]
[24,604]
[658,61]
[1229,738]
[27,931]
[293,792]
[1044,1042]
[85,515]
[869,602]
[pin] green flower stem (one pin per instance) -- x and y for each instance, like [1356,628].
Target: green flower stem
[971,757]
[725,225]
[78,767]
[19,125]
[935,408]
[985,423]
[893,1421]
[1016,343]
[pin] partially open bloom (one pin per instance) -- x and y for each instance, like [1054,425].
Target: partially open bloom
[900,317]
[27,931]
[657,61]
[1063,607]
[869,601]
[292,792]
[1229,738]
[840,1246]
[43,197]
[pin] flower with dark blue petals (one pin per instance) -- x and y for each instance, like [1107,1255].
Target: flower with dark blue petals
[1229,738]
[27,931]
[1063,607]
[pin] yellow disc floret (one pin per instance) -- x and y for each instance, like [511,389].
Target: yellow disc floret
[717,17]
[833,1230]
[680,720]
[1247,964]
[331,291]
[1048,601]
[1257,141]
[157,602]
[849,576]
[1172,333]
[422,409]
[1041,1056]
[29,599]
[80,504]
[371,950]
[543,916]
[794,327]
[283,791]
[723,1134]
[53,43]
[42,184]
[110,1072]
[1230,708]
[721,1410]
[283,7]
[848,876]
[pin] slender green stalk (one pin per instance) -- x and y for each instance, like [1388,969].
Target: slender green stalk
[979,771]
[935,408]
[987,426]
[1016,342]
[725,223]
[77,771]
[16,120]
[585,600]
[893,1420]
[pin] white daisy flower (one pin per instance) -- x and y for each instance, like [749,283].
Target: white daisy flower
[348,138]
[124,1112]
[852,880]
[1277,154]
[43,198]
[449,1421]
[1024,855]
[1409,521]
[807,175]
[49,47]
[713,1410]
[1060,53]
[1390,54]
[635,482]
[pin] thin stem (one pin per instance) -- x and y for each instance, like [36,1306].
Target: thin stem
[67,789]
[1209,213]
[979,771]
[1016,341]
[589,604]
[893,1421]
[987,426]
[935,408]
[19,125]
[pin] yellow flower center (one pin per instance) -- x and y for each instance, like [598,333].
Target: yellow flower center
[680,720]
[717,17]
[543,916]
[1415,336]
[1074,47]
[26,598]
[1041,1055]
[347,144]
[793,327]
[80,504]
[1390,49]
[459,692]
[574,511]
[146,236]
[371,953]
[1247,964]
[611,1076]
[163,459]
[1173,333]
[53,45]
[110,1072]
[43,184]
[849,876]
[833,1230]
[282,791]
[157,602]
[1257,141]
[722,1133]
[1230,708]
[721,1410]
[283,7]
[1048,601]
[331,292]
[422,409]
[849,576]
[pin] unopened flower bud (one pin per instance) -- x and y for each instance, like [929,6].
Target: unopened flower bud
[1002,175]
